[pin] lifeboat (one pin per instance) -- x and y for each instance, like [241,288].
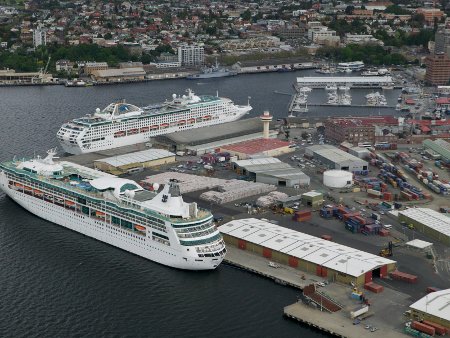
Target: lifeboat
[207,118]
[145,129]
[59,201]
[181,122]
[37,192]
[191,121]
[48,197]
[140,228]
[70,203]
[18,185]
[119,134]
[165,125]
[28,188]
[154,127]
[133,131]
[100,214]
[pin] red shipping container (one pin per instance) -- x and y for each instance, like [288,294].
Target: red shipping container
[384,232]
[438,328]
[406,277]
[432,289]
[383,271]
[423,328]
[324,271]
[267,253]
[375,288]
[293,262]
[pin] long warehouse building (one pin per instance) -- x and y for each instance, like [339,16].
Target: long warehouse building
[326,259]
[434,307]
[429,222]
[335,158]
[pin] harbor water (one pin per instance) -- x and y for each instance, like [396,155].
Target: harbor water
[55,282]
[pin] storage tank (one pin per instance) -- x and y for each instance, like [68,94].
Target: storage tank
[337,178]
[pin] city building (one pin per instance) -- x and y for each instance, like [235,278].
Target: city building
[434,307]
[133,161]
[357,129]
[90,67]
[271,170]
[438,69]
[377,5]
[441,39]
[429,222]
[431,15]
[326,259]
[39,36]
[191,55]
[361,39]
[335,158]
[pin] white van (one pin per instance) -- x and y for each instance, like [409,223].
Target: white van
[387,226]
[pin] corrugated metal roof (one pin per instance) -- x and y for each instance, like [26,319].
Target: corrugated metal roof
[440,146]
[429,218]
[137,157]
[435,303]
[300,245]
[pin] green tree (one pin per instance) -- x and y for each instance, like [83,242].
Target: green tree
[247,15]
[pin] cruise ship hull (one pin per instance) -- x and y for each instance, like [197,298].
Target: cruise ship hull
[108,233]
[111,142]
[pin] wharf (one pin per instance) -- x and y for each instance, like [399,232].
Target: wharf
[283,275]
[348,105]
[336,324]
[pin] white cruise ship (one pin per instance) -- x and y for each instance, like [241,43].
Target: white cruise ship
[121,124]
[158,226]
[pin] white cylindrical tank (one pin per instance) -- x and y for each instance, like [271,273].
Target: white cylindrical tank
[337,178]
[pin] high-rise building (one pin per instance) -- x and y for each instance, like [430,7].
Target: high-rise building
[39,36]
[442,39]
[438,69]
[191,55]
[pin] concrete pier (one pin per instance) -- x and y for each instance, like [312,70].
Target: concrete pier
[336,324]
[256,264]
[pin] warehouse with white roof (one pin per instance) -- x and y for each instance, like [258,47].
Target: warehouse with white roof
[429,222]
[141,159]
[271,170]
[434,307]
[336,158]
[305,252]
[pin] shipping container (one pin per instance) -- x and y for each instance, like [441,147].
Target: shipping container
[423,328]
[375,288]
[432,289]
[406,277]
[441,330]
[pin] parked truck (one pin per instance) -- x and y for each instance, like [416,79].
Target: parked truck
[359,311]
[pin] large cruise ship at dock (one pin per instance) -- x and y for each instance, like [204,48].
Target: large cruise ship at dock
[121,124]
[159,226]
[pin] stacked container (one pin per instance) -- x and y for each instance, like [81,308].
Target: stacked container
[302,216]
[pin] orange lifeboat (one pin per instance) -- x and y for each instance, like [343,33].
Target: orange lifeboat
[190,121]
[100,214]
[140,228]
[165,125]
[145,129]
[119,134]
[28,188]
[37,192]
[70,203]
[154,127]
[18,185]
[181,122]
[207,118]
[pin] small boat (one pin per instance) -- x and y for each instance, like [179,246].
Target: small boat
[330,87]
[145,129]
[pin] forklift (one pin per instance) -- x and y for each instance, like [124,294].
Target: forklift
[387,252]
